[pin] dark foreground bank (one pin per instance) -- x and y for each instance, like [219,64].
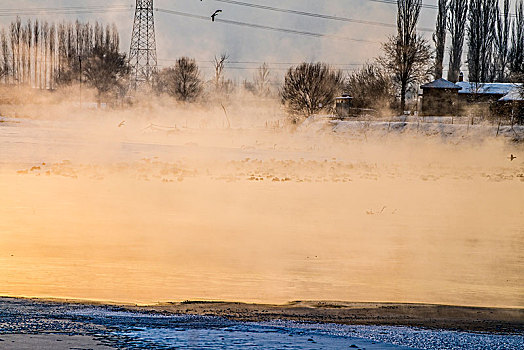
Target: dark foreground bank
[30,324]
[458,318]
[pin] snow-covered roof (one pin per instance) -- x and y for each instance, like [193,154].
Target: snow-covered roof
[441,84]
[486,88]
[515,94]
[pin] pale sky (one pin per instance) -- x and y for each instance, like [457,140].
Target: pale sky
[181,36]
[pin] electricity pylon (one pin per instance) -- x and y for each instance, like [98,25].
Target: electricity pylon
[142,55]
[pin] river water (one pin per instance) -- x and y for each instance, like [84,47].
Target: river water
[257,216]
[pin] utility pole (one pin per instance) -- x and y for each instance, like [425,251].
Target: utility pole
[142,54]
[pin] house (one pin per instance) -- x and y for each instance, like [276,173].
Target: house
[511,105]
[482,99]
[442,98]
[483,92]
[439,98]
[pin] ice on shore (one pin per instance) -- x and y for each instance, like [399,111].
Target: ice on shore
[121,329]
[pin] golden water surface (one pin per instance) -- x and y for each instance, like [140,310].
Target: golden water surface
[265,227]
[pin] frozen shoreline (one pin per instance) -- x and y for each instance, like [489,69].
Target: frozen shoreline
[427,316]
[30,322]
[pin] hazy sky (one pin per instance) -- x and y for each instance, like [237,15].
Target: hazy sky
[181,36]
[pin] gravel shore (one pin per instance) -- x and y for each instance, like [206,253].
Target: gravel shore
[69,324]
[460,318]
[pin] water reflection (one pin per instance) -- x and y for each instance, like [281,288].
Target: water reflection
[124,239]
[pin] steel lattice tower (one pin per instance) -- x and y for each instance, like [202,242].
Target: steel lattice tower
[142,55]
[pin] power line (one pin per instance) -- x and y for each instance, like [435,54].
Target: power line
[102,9]
[314,15]
[262,62]
[395,2]
[425,6]
[264,27]
[233,65]
[63,10]
[280,69]
[71,10]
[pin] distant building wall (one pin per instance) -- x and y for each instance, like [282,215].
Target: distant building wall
[439,102]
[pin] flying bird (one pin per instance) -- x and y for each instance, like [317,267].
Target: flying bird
[511,157]
[122,124]
[215,14]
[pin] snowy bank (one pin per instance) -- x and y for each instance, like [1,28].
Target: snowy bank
[428,126]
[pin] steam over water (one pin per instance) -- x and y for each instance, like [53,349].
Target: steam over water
[144,213]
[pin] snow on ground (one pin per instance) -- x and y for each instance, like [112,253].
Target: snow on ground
[422,126]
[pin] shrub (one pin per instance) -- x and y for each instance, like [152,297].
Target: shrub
[371,87]
[181,81]
[310,87]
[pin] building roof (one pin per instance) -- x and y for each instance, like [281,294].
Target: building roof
[486,88]
[515,94]
[441,84]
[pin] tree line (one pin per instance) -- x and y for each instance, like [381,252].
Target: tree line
[405,61]
[46,55]
[495,53]
[495,39]
[49,55]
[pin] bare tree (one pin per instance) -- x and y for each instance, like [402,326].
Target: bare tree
[261,81]
[439,37]
[407,55]
[29,47]
[181,81]
[474,41]
[371,87]
[489,24]
[15,48]
[70,48]
[52,51]
[458,10]
[62,53]
[516,58]
[187,79]
[502,41]
[5,55]
[106,71]
[89,40]
[43,54]
[219,64]
[227,86]
[98,35]
[18,31]
[45,44]
[72,45]
[23,55]
[481,33]
[114,42]
[78,40]
[310,87]
[36,34]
